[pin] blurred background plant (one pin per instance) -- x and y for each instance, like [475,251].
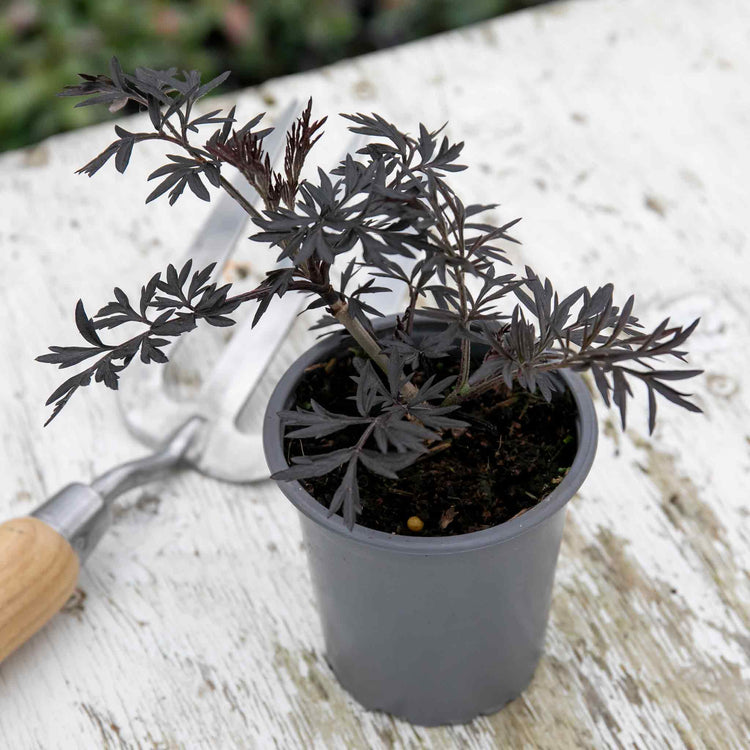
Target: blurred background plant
[45,43]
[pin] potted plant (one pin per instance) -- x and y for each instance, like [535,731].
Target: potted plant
[430,454]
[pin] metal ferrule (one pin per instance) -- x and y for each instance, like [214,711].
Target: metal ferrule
[81,513]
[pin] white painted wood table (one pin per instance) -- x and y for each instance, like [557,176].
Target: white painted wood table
[619,130]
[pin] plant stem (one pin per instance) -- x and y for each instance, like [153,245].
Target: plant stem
[340,311]
[225,184]
[470,392]
[459,276]
[246,205]
[463,373]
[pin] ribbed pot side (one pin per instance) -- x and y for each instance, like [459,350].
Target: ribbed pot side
[435,630]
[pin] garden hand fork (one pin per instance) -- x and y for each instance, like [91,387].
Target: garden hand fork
[40,555]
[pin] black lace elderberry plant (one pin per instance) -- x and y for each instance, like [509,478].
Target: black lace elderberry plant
[392,208]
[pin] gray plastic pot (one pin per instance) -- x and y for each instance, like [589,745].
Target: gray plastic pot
[435,630]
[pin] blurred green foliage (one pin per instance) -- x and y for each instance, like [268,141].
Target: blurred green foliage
[45,43]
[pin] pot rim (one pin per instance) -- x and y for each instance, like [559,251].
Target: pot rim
[273,444]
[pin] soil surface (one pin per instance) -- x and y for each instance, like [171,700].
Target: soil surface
[518,448]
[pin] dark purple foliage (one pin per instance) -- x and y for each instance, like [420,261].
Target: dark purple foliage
[393,203]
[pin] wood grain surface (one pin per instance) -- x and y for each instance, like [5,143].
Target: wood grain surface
[619,130]
[38,572]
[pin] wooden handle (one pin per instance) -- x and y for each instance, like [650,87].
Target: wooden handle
[38,573]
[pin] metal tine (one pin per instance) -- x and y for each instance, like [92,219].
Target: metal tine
[148,411]
[217,239]
[235,375]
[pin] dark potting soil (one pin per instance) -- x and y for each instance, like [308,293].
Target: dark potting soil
[517,450]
